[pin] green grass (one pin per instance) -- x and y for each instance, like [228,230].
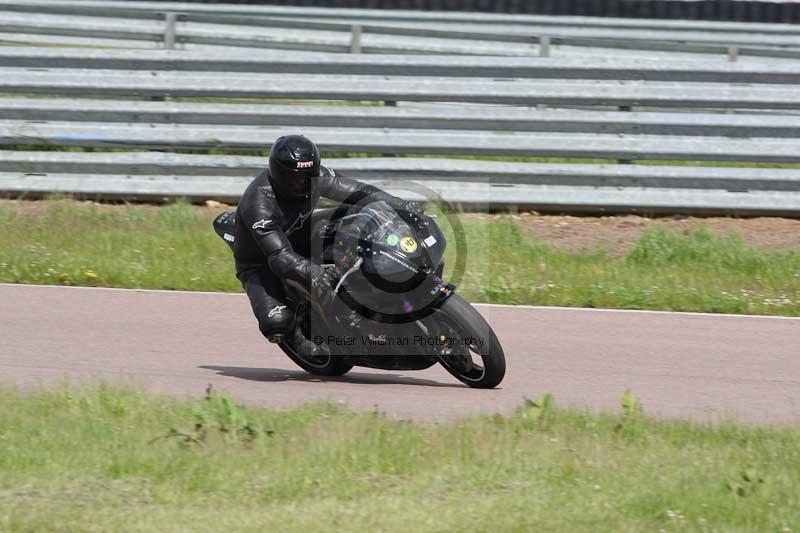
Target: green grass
[666,270]
[173,247]
[102,459]
[70,242]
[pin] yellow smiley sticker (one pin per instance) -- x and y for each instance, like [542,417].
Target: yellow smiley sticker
[408,245]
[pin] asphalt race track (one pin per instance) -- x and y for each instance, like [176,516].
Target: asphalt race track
[680,365]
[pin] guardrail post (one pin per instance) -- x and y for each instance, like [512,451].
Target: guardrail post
[544,46]
[170,18]
[625,109]
[389,103]
[355,39]
[733,54]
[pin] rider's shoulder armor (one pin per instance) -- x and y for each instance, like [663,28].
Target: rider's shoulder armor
[325,172]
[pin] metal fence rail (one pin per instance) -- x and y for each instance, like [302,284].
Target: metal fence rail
[754,71]
[249,37]
[445,117]
[166,165]
[403,141]
[215,13]
[766,44]
[371,46]
[147,102]
[406,37]
[476,195]
[27,39]
[550,26]
[311,87]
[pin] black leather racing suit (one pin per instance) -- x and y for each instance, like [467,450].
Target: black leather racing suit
[273,236]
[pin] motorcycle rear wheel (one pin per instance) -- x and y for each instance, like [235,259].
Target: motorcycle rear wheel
[324,365]
[456,319]
[330,365]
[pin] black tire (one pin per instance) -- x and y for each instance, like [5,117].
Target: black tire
[461,318]
[331,367]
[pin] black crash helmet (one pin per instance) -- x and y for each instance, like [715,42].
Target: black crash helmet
[294,166]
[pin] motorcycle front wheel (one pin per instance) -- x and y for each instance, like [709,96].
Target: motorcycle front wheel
[465,344]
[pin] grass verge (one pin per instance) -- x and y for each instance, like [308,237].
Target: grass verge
[173,247]
[104,459]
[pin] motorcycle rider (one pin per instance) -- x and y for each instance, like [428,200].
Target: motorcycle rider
[273,232]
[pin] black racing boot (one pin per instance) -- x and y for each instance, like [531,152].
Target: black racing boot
[303,346]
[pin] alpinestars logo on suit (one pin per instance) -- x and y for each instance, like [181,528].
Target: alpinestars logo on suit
[298,222]
[261,224]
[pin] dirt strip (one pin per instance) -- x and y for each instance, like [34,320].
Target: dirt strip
[680,365]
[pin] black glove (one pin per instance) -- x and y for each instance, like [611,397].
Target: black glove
[414,208]
[332,275]
[323,280]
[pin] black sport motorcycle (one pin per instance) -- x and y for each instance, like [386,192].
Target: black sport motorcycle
[392,309]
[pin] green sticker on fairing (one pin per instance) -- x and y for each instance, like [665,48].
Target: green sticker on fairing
[392,240]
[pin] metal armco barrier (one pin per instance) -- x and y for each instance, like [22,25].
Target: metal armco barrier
[510,69]
[612,122]
[430,117]
[738,10]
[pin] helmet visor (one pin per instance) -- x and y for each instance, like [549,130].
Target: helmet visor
[300,184]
